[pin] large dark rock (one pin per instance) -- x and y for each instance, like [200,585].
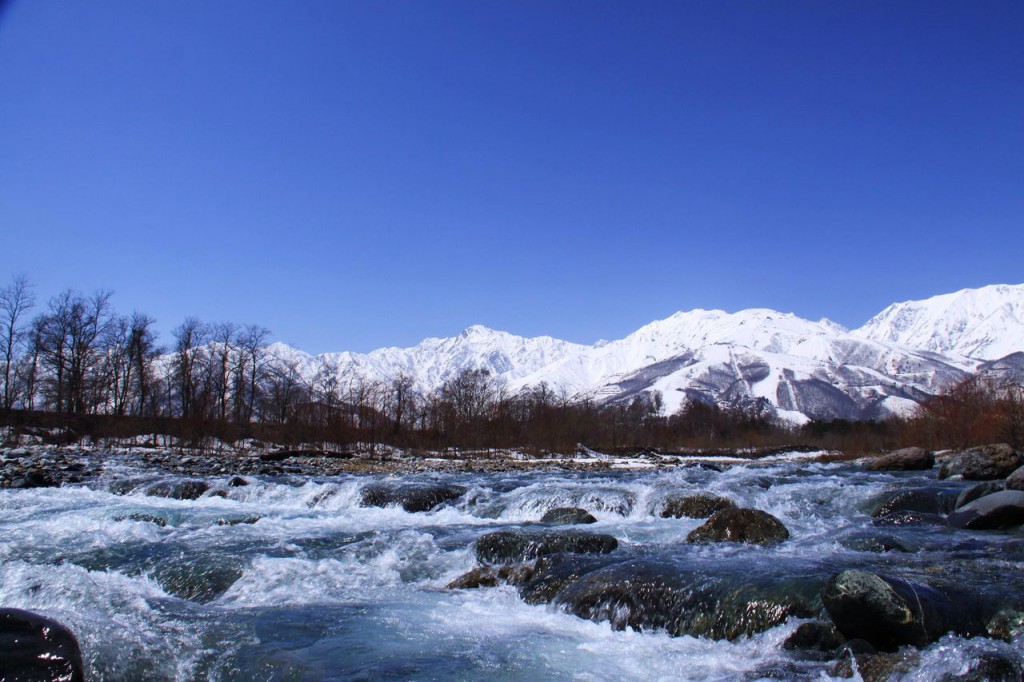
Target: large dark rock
[929,500]
[35,648]
[906,459]
[984,463]
[567,516]
[683,600]
[412,498]
[1004,509]
[178,490]
[751,526]
[891,612]
[510,546]
[699,506]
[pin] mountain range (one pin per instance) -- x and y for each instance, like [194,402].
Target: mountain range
[797,368]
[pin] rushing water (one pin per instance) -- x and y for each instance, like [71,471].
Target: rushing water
[289,578]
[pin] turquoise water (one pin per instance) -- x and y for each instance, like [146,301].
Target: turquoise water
[291,579]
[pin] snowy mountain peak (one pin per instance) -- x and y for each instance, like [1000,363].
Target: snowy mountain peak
[985,323]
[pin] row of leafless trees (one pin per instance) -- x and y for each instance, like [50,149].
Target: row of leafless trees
[80,358]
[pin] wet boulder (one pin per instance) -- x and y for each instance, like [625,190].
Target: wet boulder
[890,612]
[737,524]
[178,490]
[995,511]
[237,482]
[932,500]
[985,463]
[33,647]
[567,516]
[701,601]
[1015,481]
[906,459]
[979,490]
[412,498]
[511,546]
[699,506]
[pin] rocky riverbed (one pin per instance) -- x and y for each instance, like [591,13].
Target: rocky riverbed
[329,566]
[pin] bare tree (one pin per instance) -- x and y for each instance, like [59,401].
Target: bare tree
[190,338]
[251,369]
[16,299]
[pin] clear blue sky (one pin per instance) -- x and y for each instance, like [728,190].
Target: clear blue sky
[360,174]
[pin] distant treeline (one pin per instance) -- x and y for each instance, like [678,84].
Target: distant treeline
[82,369]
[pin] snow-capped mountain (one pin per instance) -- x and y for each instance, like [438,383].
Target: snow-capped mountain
[985,323]
[804,369]
[798,368]
[434,361]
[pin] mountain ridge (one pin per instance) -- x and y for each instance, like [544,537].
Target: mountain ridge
[797,368]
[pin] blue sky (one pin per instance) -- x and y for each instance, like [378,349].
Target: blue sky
[360,174]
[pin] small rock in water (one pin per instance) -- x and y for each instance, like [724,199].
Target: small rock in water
[984,463]
[412,498]
[909,518]
[492,576]
[1015,481]
[751,526]
[178,490]
[145,518]
[979,490]
[506,546]
[699,506]
[906,459]
[1000,510]
[33,647]
[567,516]
[237,482]
[816,635]
[1006,625]
[929,500]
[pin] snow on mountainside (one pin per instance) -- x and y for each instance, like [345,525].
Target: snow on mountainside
[985,323]
[434,361]
[803,369]
[798,368]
